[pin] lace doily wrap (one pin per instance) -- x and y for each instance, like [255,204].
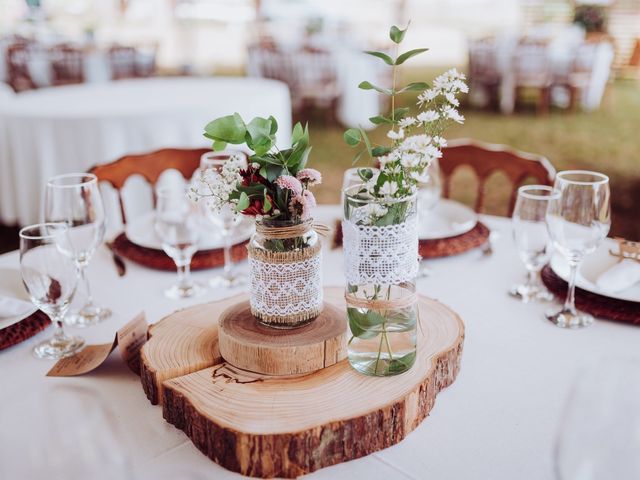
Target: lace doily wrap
[380,255]
[286,287]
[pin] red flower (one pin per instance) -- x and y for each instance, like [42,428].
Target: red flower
[251,176]
[256,207]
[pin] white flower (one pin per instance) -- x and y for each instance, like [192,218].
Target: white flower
[393,135]
[392,169]
[439,142]
[410,160]
[375,210]
[427,95]
[428,116]
[407,122]
[452,113]
[420,176]
[389,188]
[451,98]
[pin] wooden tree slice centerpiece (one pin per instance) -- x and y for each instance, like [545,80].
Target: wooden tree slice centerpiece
[275,426]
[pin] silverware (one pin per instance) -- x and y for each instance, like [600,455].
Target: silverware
[121,267]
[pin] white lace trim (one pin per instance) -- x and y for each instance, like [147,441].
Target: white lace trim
[380,255]
[286,289]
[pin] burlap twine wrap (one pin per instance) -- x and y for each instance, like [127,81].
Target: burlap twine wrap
[286,286]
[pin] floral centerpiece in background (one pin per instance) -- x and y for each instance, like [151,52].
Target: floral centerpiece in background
[274,187]
[380,220]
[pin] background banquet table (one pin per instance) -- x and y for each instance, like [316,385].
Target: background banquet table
[498,420]
[65,129]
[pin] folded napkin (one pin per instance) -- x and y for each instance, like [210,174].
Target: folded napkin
[621,276]
[14,307]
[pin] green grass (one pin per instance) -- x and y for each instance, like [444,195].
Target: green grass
[607,140]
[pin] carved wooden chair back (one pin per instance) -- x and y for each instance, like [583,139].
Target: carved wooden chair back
[123,62]
[150,166]
[486,159]
[18,55]
[67,64]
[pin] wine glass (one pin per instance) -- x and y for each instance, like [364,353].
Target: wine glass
[225,218]
[429,191]
[599,431]
[75,199]
[578,220]
[50,278]
[531,237]
[177,227]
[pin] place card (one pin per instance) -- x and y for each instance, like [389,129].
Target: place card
[129,338]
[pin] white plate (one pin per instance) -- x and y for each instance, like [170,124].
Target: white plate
[590,269]
[448,219]
[141,231]
[11,286]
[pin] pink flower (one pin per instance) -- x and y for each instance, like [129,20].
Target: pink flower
[310,176]
[310,198]
[288,182]
[300,206]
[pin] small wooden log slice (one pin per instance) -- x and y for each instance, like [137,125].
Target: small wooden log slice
[247,344]
[275,426]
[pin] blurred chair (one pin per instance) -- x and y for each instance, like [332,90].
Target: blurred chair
[18,55]
[532,70]
[145,61]
[122,61]
[483,69]
[67,64]
[309,72]
[150,166]
[486,159]
[577,80]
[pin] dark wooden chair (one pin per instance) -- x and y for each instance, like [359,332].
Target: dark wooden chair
[485,159]
[122,61]
[18,55]
[150,166]
[67,64]
[483,70]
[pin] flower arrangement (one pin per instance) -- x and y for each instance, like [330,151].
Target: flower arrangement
[416,140]
[275,185]
[380,234]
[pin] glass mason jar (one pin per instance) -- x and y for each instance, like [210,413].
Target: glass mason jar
[380,240]
[285,276]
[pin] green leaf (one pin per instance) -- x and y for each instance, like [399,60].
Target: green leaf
[219,145]
[370,86]
[398,113]
[365,137]
[379,120]
[263,172]
[268,159]
[365,174]
[396,35]
[267,202]
[387,59]
[414,87]
[259,131]
[380,151]
[363,325]
[400,364]
[274,124]
[407,55]
[243,202]
[230,129]
[352,137]
[297,133]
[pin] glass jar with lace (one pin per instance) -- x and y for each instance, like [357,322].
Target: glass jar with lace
[380,240]
[285,274]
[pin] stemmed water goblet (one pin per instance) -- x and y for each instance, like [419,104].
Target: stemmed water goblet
[177,227]
[531,237]
[578,220]
[225,218]
[75,199]
[50,278]
[429,190]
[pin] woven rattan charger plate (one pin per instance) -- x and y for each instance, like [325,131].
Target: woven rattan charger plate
[600,306]
[23,330]
[157,259]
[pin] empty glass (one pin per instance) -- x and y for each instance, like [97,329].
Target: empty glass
[532,239]
[599,432]
[578,221]
[75,200]
[177,227]
[50,278]
[226,219]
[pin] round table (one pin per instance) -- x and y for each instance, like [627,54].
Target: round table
[498,420]
[65,129]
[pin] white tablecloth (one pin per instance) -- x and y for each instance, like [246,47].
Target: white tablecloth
[64,129]
[497,421]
